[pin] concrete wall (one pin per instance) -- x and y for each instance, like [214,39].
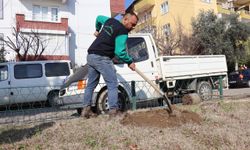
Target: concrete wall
[82,26]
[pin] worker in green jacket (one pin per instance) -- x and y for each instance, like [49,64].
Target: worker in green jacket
[110,42]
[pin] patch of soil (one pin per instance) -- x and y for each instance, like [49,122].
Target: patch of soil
[160,118]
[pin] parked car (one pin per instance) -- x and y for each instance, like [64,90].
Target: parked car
[32,81]
[240,78]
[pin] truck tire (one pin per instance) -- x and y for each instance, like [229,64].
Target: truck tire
[204,89]
[53,98]
[102,102]
[79,111]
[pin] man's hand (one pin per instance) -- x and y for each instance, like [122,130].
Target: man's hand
[96,33]
[132,66]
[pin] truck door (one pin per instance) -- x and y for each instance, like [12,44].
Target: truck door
[142,54]
[4,84]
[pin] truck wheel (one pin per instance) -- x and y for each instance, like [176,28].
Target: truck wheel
[53,99]
[79,111]
[102,102]
[204,89]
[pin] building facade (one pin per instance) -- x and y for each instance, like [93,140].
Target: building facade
[166,15]
[68,25]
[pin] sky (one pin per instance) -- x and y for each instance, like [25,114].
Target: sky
[128,2]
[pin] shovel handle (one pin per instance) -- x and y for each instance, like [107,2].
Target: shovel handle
[149,81]
[155,87]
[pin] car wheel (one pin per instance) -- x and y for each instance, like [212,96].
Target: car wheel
[204,89]
[53,99]
[102,102]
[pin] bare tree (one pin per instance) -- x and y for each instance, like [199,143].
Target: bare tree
[27,46]
[188,45]
[167,41]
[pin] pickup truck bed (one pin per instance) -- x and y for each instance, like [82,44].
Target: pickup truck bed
[186,67]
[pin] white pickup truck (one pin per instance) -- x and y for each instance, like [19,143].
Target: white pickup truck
[175,75]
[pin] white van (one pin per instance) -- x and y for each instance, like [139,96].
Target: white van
[32,81]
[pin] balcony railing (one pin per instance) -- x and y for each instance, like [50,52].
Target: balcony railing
[145,24]
[241,2]
[144,5]
[42,17]
[223,10]
[245,14]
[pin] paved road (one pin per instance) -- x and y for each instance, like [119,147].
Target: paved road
[237,92]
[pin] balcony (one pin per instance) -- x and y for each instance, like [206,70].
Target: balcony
[145,24]
[241,2]
[223,10]
[141,6]
[244,14]
[39,24]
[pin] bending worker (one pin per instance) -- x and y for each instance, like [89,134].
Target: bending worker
[111,36]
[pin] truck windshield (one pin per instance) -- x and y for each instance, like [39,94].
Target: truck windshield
[3,73]
[137,49]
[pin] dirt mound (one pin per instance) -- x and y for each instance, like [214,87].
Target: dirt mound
[160,118]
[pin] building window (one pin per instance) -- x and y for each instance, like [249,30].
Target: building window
[167,29]
[207,1]
[36,12]
[54,14]
[44,13]
[1,9]
[164,7]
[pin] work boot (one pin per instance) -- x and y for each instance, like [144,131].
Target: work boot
[87,112]
[114,112]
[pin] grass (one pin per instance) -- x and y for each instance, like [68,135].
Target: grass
[225,125]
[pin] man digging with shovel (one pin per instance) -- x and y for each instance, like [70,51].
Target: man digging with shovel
[111,36]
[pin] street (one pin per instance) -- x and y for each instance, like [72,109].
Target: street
[237,93]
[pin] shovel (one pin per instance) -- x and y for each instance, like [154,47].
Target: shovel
[156,88]
[79,74]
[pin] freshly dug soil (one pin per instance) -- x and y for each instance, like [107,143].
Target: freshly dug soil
[160,118]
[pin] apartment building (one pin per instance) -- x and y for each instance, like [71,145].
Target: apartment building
[67,24]
[168,15]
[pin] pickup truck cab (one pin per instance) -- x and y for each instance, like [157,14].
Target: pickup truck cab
[175,75]
[32,81]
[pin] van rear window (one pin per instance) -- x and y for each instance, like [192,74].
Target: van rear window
[3,73]
[28,71]
[56,69]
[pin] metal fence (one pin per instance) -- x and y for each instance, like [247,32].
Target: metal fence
[139,93]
